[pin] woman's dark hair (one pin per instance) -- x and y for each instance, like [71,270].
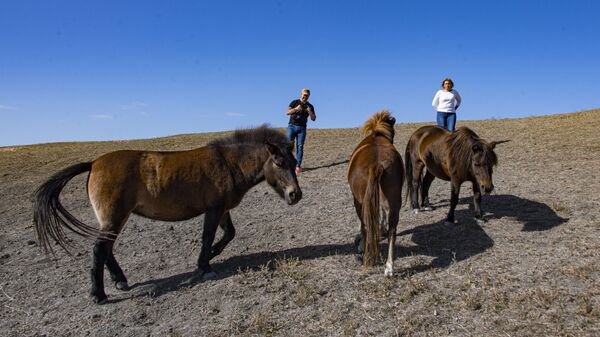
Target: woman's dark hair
[449,80]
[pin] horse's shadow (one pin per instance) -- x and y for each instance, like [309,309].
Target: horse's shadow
[445,243]
[231,266]
[534,215]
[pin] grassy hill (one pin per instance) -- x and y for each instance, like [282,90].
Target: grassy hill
[532,270]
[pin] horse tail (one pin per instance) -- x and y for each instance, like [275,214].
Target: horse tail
[49,215]
[370,215]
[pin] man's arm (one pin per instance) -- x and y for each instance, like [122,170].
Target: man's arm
[311,113]
[294,110]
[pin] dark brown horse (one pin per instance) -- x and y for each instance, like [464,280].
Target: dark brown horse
[168,186]
[457,157]
[375,175]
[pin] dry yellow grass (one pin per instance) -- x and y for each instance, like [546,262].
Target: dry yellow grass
[531,270]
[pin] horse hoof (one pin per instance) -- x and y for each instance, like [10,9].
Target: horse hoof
[99,299]
[388,273]
[480,222]
[359,258]
[122,285]
[427,208]
[415,211]
[210,275]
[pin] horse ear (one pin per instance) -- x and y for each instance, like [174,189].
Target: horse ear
[496,142]
[273,149]
[275,153]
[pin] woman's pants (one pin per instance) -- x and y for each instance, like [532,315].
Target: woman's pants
[447,120]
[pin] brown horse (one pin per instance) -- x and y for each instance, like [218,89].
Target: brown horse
[168,186]
[375,175]
[457,157]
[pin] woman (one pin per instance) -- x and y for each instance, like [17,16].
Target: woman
[445,102]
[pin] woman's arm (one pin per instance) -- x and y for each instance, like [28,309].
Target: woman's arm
[458,99]
[436,100]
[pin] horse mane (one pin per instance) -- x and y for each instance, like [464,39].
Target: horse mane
[259,136]
[461,144]
[381,123]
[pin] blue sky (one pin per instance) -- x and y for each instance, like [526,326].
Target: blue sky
[107,70]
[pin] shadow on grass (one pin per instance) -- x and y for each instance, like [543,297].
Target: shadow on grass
[535,216]
[324,166]
[447,244]
[231,266]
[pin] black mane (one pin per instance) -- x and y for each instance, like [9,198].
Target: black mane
[259,135]
[461,143]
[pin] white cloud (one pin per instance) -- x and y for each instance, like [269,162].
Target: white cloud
[234,114]
[135,105]
[6,107]
[101,116]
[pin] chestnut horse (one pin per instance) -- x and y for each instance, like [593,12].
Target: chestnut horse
[167,186]
[375,175]
[457,157]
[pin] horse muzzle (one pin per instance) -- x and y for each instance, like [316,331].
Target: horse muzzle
[487,189]
[293,195]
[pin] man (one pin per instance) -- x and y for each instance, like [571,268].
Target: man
[299,110]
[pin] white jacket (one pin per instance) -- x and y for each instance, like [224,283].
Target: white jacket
[446,101]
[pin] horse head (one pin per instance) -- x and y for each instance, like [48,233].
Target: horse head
[280,173]
[482,164]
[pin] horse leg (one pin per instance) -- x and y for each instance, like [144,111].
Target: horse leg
[425,184]
[392,225]
[228,235]
[116,273]
[212,218]
[112,219]
[477,204]
[455,191]
[383,219]
[359,243]
[100,255]
[415,185]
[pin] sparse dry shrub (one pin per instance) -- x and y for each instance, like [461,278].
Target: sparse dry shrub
[471,300]
[416,286]
[498,300]
[586,305]
[379,288]
[581,272]
[560,207]
[545,297]
[291,268]
[409,325]
[175,334]
[260,324]
[305,294]
[349,327]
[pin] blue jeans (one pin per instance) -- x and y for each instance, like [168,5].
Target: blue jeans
[447,120]
[299,133]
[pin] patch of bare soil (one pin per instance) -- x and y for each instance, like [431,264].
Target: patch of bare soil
[531,270]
